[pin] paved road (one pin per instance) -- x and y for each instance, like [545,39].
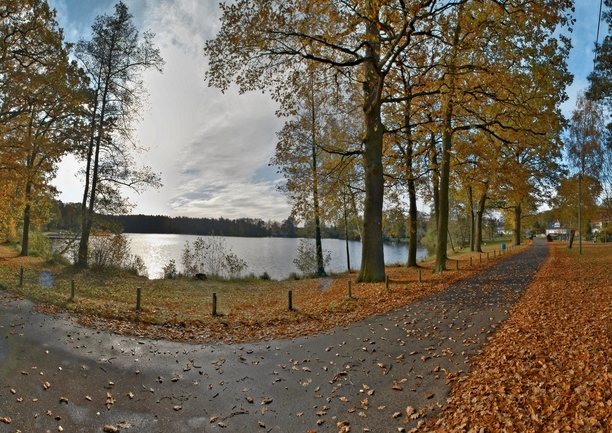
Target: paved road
[367,376]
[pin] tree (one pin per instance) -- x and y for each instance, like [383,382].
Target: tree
[565,203]
[266,44]
[42,94]
[585,147]
[114,59]
[299,156]
[500,88]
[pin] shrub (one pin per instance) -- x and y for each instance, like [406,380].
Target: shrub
[209,256]
[233,265]
[112,250]
[306,258]
[170,271]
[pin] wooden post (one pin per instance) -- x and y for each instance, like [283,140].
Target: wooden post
[214,302]
[420,280]
[350,291]
[456,265]
[470,261]
[480,257]
[138,290]
[21,276]
[290,299]
[387,283]
[494,253]
[487,257]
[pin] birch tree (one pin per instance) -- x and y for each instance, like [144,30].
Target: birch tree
[114,59]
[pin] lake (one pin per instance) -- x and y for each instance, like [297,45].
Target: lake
[272,255]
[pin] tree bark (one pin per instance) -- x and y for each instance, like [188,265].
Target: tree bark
[516,232]
[472,219]
[479,215]
[25,237]
[413,214]
[441,245]
[346,236]
[372,256]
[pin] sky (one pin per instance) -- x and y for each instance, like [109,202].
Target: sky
[213,149]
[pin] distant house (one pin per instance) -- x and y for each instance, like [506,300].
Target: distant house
[556,230]
[601,222]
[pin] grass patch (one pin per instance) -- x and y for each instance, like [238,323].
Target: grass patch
[247,310]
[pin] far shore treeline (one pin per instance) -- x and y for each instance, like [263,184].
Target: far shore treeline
[68,218]
[244,227]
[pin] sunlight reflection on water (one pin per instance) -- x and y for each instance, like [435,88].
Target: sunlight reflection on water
[272,255]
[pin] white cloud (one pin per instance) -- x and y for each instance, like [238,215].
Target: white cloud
[211,148]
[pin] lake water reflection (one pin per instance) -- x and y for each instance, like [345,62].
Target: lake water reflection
[272,255]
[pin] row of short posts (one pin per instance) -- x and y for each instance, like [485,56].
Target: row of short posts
[289,293]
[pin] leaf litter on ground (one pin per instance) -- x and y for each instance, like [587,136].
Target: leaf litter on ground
[548,368]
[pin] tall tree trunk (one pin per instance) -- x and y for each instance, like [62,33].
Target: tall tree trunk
[82,256]
[90,208]
[412,209]
[435,179]
[372,256]
[346,235]
[413,214]
[516,232]
[472,219]
[479,215]
[447,131]
[315,184]
[442,243]
[317,217]
[25,237]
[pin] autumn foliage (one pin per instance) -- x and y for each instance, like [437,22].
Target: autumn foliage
[549,367]
[247,310]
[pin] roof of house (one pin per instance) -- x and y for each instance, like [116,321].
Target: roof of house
[603,216]
[555,225]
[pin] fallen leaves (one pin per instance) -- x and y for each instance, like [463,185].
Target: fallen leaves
[552,355]
[179,307]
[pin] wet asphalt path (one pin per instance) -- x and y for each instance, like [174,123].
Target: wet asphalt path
[58,376]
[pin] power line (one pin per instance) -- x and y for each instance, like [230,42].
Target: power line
[597,37]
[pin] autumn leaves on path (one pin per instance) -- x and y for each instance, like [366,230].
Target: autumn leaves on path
[548,368]
[382,374]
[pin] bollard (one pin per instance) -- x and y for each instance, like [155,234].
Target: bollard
[21,276]
[470,261]
[214,304]
[480,257]
[456,265]
[420,280]
[350,291]
[138,299]
[387,283]
[290,296]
